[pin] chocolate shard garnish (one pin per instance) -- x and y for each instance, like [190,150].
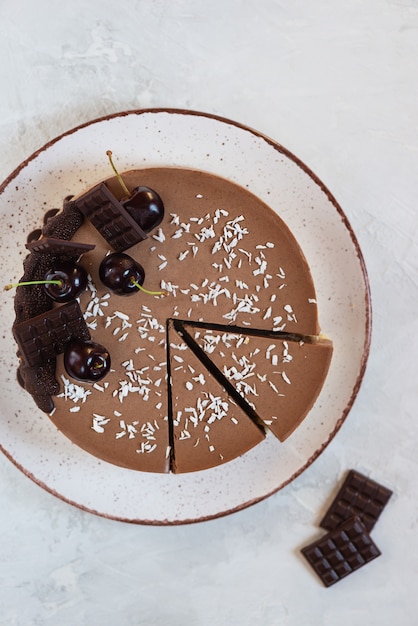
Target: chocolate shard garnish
[358,496]
[52,245]
[110,218]
[341,552]
[42,337]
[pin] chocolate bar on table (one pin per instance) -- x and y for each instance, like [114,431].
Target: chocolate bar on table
[43,337]
[359,496]
[341,551]
[51,245]
[110,218]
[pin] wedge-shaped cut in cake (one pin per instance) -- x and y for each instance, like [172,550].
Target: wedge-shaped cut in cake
[279,375]
[208,427]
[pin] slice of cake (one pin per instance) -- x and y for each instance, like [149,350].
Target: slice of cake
[279,375]
[208,427]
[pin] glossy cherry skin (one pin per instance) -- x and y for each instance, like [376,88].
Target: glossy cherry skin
[146,207]
[73,279]
[118,270]
[86,361]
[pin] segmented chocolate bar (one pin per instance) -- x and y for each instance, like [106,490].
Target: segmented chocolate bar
[43,337]
[110,218]
[51,245]
[359,496]
[341,552]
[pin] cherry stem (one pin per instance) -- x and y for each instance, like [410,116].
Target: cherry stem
[32,282]
[150,293]
[118,176]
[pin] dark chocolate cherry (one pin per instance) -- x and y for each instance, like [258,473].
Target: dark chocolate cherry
[121,273]
[70,279]
[86,361]
[145,206]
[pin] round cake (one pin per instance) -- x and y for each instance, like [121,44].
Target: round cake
[228,350]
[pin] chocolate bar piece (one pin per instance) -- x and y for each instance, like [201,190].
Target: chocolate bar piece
[51,245]
[110,218]
[341,551]
[43,337]
[358,496]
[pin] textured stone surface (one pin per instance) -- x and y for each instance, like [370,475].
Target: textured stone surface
[335,82]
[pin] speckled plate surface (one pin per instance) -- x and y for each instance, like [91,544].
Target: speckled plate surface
[149,138]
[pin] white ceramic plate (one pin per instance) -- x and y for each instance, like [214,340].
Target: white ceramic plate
[149,138]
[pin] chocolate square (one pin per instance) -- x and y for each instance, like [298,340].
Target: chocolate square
[358,496]
[42,337]
[110,218]
[51,245]
[341,552]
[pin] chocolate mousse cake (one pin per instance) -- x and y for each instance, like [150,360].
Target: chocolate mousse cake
[225,348]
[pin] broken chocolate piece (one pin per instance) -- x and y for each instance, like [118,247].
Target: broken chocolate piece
[341,551]
[359,496]
[65,223]
[42,337]
[110,218]
[52,245]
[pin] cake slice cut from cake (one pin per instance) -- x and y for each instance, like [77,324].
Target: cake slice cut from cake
[278,375]
[208,426]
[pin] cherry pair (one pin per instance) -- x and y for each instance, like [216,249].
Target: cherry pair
[67,280]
